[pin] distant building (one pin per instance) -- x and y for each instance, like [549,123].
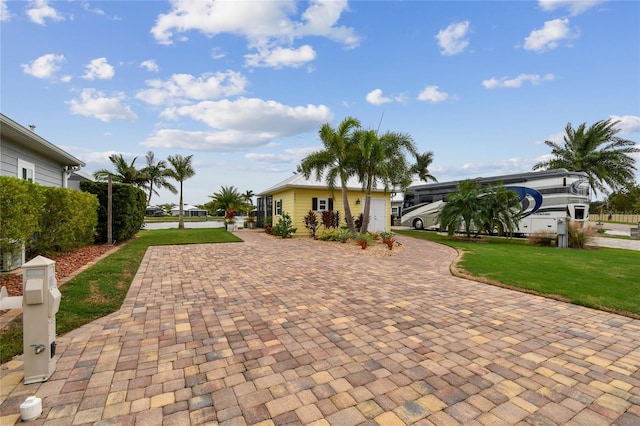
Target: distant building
[297,195]
[189,211]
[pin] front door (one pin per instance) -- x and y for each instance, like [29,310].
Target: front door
[378,216]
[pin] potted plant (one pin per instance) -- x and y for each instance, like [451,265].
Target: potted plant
[229,219]
[388,238]
[250,222]
[364,240]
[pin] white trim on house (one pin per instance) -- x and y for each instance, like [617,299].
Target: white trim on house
[26,170]
[299,181]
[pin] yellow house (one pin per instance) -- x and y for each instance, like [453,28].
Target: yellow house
[297,196]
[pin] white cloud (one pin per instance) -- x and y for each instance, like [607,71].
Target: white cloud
[99,68]
[452,40]
[5,15]
[44,67]
[549,36]
[239,125]
[288,156]
[517,82]
[628,123]
[280,57]
[270,27]
[375,97]
[93,103]
[182,87]
[320,19]
[575,7]
[39,11]
[257,116]
[432,94]
[150,65]
[219,141]
[471,170]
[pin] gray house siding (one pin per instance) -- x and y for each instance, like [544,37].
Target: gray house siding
[26,155]
[47,172]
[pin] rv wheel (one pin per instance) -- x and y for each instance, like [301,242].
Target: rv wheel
[418,224]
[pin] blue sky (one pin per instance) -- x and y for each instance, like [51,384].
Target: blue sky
[244,86]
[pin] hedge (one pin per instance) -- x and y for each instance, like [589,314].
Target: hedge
[20,205]
[127,209]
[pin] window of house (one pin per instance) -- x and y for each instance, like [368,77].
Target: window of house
[278,207]
[26,171]
[322,204]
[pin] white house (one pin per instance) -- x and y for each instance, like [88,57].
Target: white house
[189,211]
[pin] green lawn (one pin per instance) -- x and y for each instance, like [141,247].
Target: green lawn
[603,278]
[101,289]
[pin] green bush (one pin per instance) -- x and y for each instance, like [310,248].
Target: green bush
[329,235]
[127,209]
[284,228]
[67,221]
[20,205]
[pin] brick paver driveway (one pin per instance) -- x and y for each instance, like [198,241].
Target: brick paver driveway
[277,331]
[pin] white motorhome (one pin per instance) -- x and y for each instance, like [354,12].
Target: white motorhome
[544,196]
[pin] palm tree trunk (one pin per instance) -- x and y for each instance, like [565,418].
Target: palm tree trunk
[347,211]
[150,192]
[180,219]
[367,208]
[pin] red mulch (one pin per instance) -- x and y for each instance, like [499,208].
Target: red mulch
[66,264]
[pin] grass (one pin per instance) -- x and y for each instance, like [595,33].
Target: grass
[101,289]
[603,278]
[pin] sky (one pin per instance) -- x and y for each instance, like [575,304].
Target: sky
[244,86]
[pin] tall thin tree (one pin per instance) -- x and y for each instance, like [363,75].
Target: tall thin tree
[381,160]
[156,172]
[335,159]
[181,169]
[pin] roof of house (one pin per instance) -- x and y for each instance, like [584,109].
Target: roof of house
[186,207]
[299,181]
[19,134]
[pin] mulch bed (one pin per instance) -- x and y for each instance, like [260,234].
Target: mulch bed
[66,264]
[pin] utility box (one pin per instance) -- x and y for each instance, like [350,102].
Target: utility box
[40,303]
[563,232]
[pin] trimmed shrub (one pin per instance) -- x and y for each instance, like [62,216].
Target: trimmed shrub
[128,207]
[67,221]
[20,205]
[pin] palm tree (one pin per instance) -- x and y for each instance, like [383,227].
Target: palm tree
[421,167]
[461,208]
[157,175]
[248,196]
[124,172]
[381,159]
[228,199]
[598,152]
[181,169]
[500,210]
[335,158]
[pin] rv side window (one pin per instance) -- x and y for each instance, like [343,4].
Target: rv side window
[579,213]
